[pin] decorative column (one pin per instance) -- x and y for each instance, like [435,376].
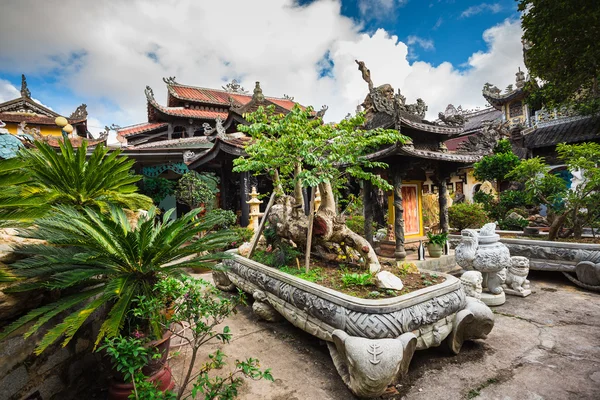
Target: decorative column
[443,202]
[368,210]
[400,253]
[255,214]
[243,196]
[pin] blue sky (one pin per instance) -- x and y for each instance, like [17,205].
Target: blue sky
[106,52]
[453,28]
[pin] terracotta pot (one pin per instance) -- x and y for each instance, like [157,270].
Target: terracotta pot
[156,370]
[434,250]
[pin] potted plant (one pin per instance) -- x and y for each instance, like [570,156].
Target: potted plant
[435,244]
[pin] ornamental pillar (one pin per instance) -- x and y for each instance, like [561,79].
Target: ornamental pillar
[400,253]
[255,214]
[443,203]
[368,210]
[245,207]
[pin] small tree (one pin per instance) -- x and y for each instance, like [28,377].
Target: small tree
[494,167]
[195,189]
[542,186]
[465,215]
[297,150]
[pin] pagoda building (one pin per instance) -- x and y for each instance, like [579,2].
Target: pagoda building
[197,130]
[411,163]
[29,120]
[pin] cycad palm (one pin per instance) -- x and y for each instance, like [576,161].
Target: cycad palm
[106,261]
[39,178]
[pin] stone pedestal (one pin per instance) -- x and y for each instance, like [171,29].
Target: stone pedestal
[492,300]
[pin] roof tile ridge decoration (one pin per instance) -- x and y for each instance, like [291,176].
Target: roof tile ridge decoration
[172,110]
[150,126]
[448,130]
[171,82]
[194,139]
[437,155]
[476,113]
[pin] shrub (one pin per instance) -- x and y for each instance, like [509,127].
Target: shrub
[357,224]
[357,279]
[512,224]
[227,217]
[464,216]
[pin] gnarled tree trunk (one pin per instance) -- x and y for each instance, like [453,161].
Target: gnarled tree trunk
[291,223]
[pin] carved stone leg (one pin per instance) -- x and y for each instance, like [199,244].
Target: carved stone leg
[222,281]
[368,366]
[400,253]
[495,281]
[475,321]
[263,309]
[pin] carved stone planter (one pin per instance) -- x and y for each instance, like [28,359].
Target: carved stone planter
[371,341]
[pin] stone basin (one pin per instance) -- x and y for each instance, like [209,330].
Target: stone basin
[371,341]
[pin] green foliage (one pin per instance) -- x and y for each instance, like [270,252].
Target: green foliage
[440,238]
[242,235]
[40,178]
[357,224]
[564,52]
[313,275]
[284,144]
[483,198]
[195,189]
[280,255]
[494,167]
[157,188]
[512,224]
[552,191]
[466,215]
[227,216]
[202,307]
[508,200]
[128,355]
[102,260]
[355,279]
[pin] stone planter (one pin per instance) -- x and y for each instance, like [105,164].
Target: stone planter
[581,259]
[434,250]
[371,341]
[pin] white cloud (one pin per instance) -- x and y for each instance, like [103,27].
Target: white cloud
[483,7]
[426,44]
[136,43]
[379,9]
[8,91]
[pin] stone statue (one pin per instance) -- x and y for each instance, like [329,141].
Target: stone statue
[222,281]
[452,117]
[368,366]
[24,89]
[516,277]
[366,73]
[471,282]
[234,87]
[484,142]
[484,253]
[322,111]
[258,93]
[263,309]
[475,321]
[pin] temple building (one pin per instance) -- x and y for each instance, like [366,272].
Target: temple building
[411,164]
[27,120]
[197,130]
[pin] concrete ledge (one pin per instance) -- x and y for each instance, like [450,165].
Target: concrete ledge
[445,264]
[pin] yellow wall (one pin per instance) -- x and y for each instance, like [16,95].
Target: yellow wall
[44,129]
[391,211]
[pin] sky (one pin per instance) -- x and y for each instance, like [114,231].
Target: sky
[104,53]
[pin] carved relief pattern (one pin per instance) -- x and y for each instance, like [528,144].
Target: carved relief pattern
[368,325]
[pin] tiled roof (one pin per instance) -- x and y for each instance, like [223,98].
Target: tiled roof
[574,131]
[219,97]
[195,142]
[452,144]
[192,113]
[476,119]
[33,119]
[141,128]
[9,146]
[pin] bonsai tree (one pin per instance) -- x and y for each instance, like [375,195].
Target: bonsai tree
[564,202]
[102,260]
[298,151]
[158,188]
[39,178]
[195,189]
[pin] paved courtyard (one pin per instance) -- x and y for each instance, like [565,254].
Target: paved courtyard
[546,346]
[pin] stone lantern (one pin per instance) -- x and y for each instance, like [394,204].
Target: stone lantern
[255,213]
